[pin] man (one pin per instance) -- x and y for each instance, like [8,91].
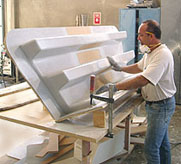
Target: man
[156,79]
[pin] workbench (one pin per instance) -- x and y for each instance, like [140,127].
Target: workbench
[29,111]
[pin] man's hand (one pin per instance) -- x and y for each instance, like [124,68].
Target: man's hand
[115,66]
[105,88]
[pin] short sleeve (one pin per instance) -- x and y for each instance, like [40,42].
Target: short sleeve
[155,69]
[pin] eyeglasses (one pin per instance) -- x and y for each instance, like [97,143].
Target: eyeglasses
[149,33]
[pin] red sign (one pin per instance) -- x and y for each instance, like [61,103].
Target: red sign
[96,18]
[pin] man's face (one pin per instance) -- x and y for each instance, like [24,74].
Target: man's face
[143,37]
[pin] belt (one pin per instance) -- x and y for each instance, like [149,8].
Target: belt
[158,102]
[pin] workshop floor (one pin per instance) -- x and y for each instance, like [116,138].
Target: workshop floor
[137,155]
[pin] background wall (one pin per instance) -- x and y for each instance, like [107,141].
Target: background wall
[171,36]
[49,13]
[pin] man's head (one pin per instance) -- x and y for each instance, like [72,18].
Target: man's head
[149,33]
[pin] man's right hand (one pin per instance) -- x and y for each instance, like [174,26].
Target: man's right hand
[115,66]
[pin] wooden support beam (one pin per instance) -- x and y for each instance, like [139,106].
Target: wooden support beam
[78,150]
[81,149]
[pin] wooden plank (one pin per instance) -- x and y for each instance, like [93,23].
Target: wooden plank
[18,105]
[53,145]
[33,113]
[14,89]
[17,99]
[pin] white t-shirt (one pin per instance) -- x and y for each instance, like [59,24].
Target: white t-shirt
[158,68]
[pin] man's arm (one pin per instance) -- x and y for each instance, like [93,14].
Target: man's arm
[133,83]
[132,69]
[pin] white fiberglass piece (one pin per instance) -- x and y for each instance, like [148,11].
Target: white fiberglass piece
[57,62]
